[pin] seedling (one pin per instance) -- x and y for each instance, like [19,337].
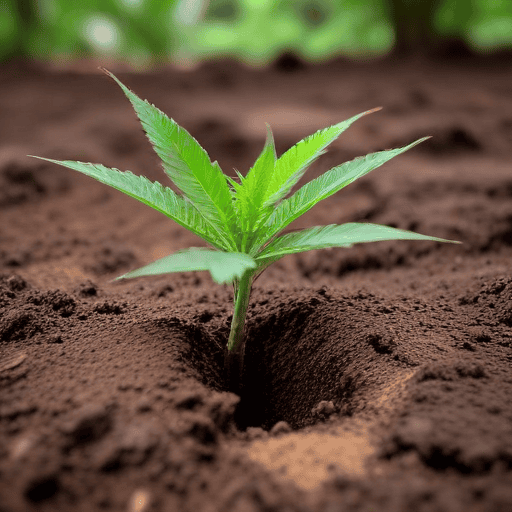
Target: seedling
[242,219]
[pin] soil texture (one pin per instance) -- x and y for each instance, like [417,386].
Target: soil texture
[377,378]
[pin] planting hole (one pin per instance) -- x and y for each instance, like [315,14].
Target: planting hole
[310,359]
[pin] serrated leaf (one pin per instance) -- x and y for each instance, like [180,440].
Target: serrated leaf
[243,218]
[224,267]
[292,165]
[162,199]
[335,235]
[326,185]
[188,165]
[259,176]
[250,192]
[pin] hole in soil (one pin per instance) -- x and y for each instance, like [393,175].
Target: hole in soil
[304,360]
[308,357]
[291,372]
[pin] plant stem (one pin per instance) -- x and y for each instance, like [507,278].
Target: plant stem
[235,349]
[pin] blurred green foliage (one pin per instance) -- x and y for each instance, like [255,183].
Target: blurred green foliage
[135,29]
[254,30]
[258,30]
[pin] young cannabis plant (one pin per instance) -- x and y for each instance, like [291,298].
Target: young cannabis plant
[242,220]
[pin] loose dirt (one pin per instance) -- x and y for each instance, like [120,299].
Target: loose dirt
[377,378]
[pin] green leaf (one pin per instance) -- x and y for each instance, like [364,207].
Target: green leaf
[251,190]
[188,165]
[241,219]
[324,186]
[335,235]
[258,178]
[162,199]
[224,267]
[291,166]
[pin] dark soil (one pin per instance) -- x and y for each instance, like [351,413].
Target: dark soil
[377,378]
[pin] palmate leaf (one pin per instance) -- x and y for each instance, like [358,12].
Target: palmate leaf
[335,235]
[224,267]
[162,199]
[188,165]
[292,165]
[324,186]
[242,220]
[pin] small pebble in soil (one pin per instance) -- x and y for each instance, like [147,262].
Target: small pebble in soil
[55,338]
[323,410]
[253,433]
[281,427]
[139,501]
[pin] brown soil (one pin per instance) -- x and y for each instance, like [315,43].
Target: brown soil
[377,378]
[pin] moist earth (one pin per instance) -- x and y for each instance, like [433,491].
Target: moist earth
[377,378]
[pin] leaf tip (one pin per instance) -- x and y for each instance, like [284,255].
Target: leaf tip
[109,74]
[423,139]
[371,111]
[114,77]
[120,278]
[41,158]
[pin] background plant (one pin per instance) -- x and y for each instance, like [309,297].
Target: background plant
[242,219]
[252,30]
